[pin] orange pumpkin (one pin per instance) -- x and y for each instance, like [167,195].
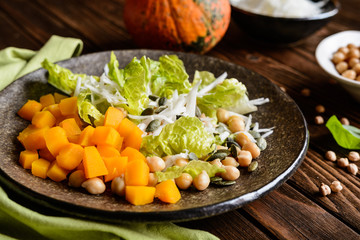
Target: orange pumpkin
[185,25]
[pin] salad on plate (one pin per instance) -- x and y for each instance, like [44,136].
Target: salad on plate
[144,131]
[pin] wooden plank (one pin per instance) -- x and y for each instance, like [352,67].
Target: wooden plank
[93,27]
[14,36]
[228,226]
[291,215]
[42,25]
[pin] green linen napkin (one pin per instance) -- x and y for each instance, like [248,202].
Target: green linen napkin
[19,222]
[16,62]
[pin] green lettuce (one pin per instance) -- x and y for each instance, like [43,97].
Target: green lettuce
[170,74]
[230,94]
[115,74]
[346,136]
[194,168]
[87,111]
[205,77]
[61,78]
[187,133]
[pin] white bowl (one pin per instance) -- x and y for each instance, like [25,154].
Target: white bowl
[324,52]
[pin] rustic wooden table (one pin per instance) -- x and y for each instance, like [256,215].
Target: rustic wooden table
[295,210]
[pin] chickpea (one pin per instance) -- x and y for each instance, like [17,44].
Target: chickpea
[320,108]
[181,162]
[341,67]
[351,45]
[201,181]
[338,57]
[344,50]
[76,178]
[252,148]
[94,185]
[244,158]
[354,53]
[230,161]
[353,156]
[231,174]
[216,162]
[344,121]
[184,181]
[350,74]
[343,162]
[319,120]
[236,124]
[153,180]
[324,189]
[305,92]
[352,168]
[155,163]
[330,155]
[222,115]
[118,186]
[353,62]
[336,186]
[241,139]
[356,68]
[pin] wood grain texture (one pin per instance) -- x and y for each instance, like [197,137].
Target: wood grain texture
[295,210]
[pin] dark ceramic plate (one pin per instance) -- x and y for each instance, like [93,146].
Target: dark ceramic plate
[286,149]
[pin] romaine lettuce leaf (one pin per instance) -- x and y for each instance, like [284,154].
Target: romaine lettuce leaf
[61,78]
[87,111]
[115,74]
[230,95]
[346,136]
[187,133]
[194,168]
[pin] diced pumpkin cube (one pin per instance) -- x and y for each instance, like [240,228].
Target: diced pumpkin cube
[113,117]
[28,110]
[34,139]
[55,139]
[27,157]
[46,154]
[132,154]
[85,138]
[126,126]
[58,97]
[71,128]
[47,100]
[55,110]
[94,165]
[139,195]
[107,136]
[167,191]
[137,173]
[134,139]
[40,167]
[68,106]
[116,167]
[43,119]
[70,156]
[56,173]
[108,151]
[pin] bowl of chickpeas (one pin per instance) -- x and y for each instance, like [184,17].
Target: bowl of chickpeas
[339,56]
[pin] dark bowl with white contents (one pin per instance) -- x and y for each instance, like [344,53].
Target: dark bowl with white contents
[269,24]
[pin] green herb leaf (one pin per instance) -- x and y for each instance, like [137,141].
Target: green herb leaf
[346,136]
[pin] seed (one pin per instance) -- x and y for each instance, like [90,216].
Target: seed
[162,101]
[197,112]
[336,186]
[216,162]
[220,154]
[153,97]
[192,156]
[352,168]
[350,74]
[343,162]
[253,166]
[147,111]
[230,161]
[153,125]
[230,141]
[306,92]
[354,156]
[283,89]
[262,144]
[320,108]
[319,120]
[324,189]
[234,150]
[330,155]
[344,121]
